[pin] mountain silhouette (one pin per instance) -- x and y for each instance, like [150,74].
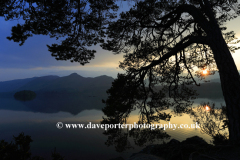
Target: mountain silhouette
[87,86]
[72,93]
[73,83]
[8,86]
[37,83]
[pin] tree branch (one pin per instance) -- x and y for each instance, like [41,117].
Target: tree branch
[192,10]
[178,47]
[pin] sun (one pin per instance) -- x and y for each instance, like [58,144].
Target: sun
[205,71]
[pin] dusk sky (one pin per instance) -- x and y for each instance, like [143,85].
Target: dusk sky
[33,58]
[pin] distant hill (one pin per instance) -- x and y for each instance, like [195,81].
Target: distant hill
[74,93]
[90,87]
[37,83]
[8,86]
[73,83]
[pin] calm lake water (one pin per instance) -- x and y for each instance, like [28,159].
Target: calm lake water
[38,119]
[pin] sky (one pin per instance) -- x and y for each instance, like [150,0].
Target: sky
[33,58]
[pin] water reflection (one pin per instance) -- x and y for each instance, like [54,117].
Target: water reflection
[53,103]
[87,144]
[213,127]
[214,121]
[38,118]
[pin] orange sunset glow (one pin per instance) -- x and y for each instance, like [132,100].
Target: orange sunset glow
[207,108]
[205,71]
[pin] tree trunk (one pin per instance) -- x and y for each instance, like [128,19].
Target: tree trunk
[230,83]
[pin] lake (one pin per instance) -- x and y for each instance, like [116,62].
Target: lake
[38,119]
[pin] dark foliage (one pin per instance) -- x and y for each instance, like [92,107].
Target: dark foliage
[78,23]
[25,95]
[20,149]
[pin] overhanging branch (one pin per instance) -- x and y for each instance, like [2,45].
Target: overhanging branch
[179,46]
[192,10]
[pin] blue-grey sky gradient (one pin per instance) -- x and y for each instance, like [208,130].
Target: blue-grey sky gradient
[33,58]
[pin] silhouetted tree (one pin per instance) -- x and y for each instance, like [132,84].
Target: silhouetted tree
[162,40]
[20,149]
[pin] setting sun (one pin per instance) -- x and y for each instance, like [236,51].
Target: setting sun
[207,108]
[205,71]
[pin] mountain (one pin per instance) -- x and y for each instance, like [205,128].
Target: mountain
[73,83]
[37,83]
[90,87]
[8,86]
[72,94]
